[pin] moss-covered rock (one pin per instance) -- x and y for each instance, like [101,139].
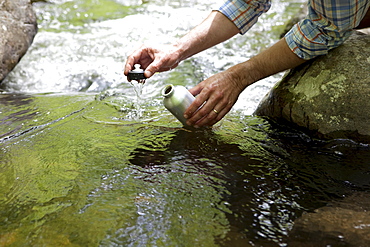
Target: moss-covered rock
[329,95]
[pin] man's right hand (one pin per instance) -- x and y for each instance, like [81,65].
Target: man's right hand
[153,59]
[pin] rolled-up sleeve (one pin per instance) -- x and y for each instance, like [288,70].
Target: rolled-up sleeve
[244,14]
[327,25]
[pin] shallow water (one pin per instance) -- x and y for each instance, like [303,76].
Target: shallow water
[86,162]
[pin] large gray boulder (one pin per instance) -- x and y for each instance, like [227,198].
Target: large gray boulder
[329,96]
[18,27]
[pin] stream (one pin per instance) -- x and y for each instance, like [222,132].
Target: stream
[89,159]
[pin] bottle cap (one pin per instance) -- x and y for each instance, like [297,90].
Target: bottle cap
[136,74]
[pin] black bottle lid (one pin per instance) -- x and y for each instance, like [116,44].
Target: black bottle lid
[136,74]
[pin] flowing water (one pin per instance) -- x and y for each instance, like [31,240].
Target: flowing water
[89,159]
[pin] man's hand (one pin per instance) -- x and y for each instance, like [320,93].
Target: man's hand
[219,93]
[153,60]
[214,29]
[216,96]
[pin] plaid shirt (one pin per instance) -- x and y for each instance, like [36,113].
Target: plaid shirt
[327,25]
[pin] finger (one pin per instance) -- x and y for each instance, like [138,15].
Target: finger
[212,111]
[139,56]
[131,60]
[218,117]
[149,71]
[197,89]
[209,115]
[197,104]
[160,63]
[215,101]
[128,66]
[203,115]
[154,65]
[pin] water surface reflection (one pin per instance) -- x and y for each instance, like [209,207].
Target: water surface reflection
[98,177]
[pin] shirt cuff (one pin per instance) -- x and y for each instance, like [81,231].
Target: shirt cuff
[244,15]
[308,39]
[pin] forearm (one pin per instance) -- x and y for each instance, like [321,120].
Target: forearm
[275,59]
[215,29]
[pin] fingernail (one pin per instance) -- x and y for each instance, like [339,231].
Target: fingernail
[186,116]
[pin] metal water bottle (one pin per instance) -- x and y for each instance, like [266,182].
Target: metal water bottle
[177,99]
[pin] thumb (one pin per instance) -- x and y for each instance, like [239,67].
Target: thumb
[196,90]
[151,69]
[148,73]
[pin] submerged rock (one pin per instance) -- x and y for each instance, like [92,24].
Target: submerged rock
[345,223]
[18,27]
[329,95]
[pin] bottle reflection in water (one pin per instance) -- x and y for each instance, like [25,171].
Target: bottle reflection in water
[177,99]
